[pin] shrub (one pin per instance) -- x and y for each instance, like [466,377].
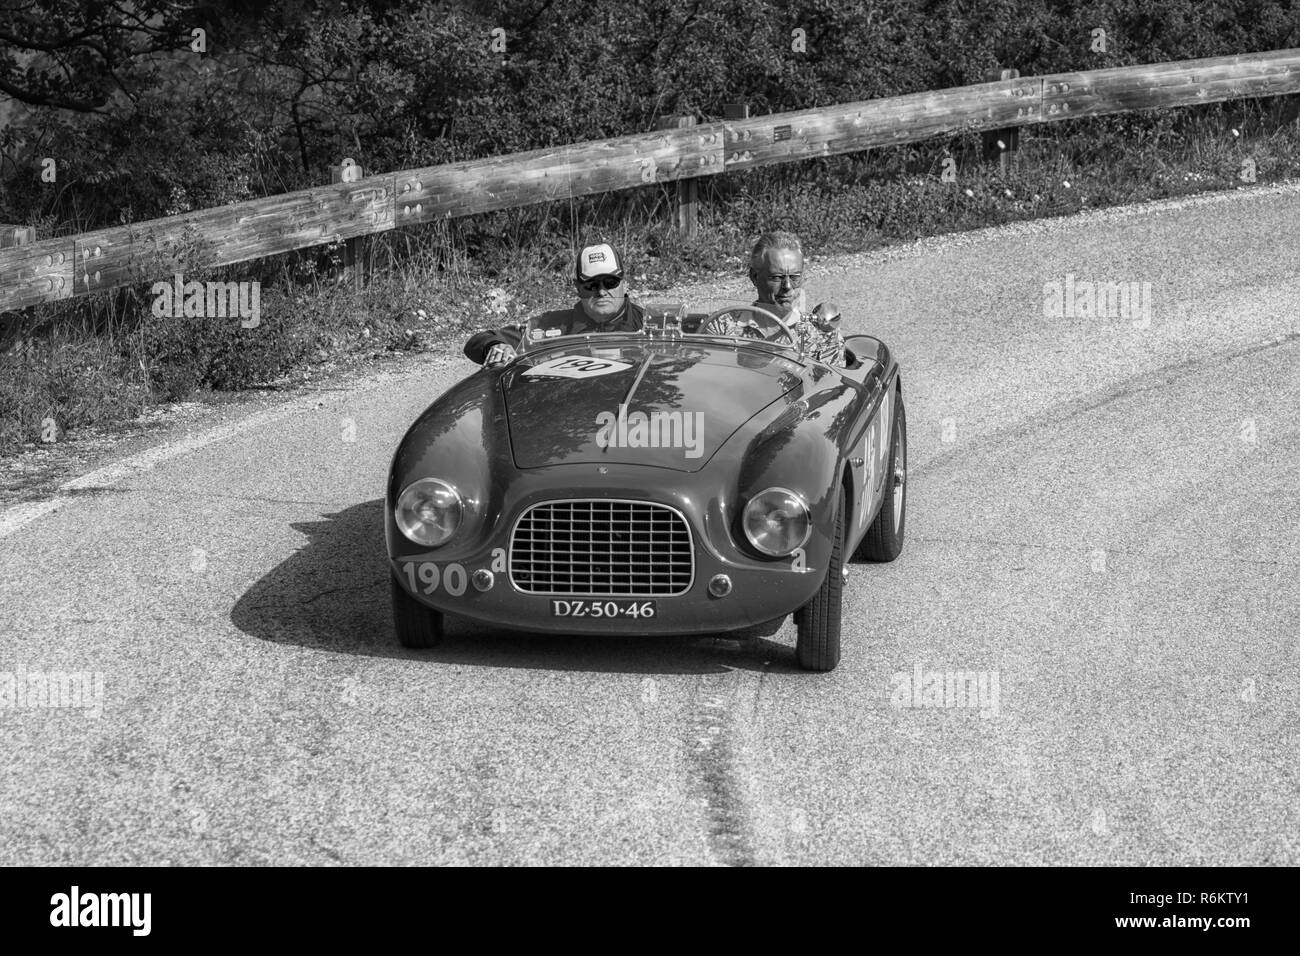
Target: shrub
[182,354]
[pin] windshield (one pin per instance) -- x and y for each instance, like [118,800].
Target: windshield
[666,323]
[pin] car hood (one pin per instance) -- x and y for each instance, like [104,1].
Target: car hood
[670,406]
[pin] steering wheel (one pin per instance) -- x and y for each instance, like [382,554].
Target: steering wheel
[738,310]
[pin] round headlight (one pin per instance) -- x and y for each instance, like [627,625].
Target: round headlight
[776,521]
[428,512]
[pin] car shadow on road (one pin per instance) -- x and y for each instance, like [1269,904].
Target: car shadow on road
[333,595]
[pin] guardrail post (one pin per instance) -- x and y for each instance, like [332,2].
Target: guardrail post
[352,269]
[1001,144]
[11,236]
[687,198]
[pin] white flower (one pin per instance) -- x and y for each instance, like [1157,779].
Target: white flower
[1235,133]
[971,194]
[421,313]
[1066,184]
[1008,192]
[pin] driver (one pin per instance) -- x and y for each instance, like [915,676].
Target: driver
[776,269]
[603,306]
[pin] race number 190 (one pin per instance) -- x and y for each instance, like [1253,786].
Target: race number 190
[577,366]
[426,576]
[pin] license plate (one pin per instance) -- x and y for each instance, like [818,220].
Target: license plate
[592,608]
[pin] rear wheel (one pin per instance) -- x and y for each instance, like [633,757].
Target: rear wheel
[884,539]
[418,627]
[818,621]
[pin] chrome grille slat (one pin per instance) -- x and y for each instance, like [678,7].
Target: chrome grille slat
[602,547]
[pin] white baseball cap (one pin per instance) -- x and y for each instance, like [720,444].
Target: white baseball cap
[598,260]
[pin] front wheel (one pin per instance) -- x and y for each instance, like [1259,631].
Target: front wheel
[418,627]
[884,539]
[818,621]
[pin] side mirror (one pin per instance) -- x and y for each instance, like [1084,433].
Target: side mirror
[827,314]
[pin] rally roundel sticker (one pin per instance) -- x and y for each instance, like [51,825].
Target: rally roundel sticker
[578,366]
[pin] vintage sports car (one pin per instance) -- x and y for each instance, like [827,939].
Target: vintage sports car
[662,482]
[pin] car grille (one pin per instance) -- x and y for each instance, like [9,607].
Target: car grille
[601,546]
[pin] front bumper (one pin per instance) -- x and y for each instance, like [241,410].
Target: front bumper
[756,597]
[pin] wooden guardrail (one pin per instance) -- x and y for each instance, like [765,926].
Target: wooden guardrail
[59,268]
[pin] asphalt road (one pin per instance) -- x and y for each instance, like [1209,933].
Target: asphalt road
[1104,523]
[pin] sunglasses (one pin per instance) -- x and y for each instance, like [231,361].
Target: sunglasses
[603,282]
[793,279]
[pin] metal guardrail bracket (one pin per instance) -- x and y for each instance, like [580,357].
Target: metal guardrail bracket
[36,272]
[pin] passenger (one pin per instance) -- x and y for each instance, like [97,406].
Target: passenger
[603,306]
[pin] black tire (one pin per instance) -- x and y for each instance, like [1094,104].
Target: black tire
[884,539]
[818,621]
[418,627]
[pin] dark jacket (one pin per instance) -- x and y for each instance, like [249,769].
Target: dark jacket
[556,322]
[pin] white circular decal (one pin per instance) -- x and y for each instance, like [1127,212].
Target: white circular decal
[578,366]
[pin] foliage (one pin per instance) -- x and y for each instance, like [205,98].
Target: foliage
[144,126]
